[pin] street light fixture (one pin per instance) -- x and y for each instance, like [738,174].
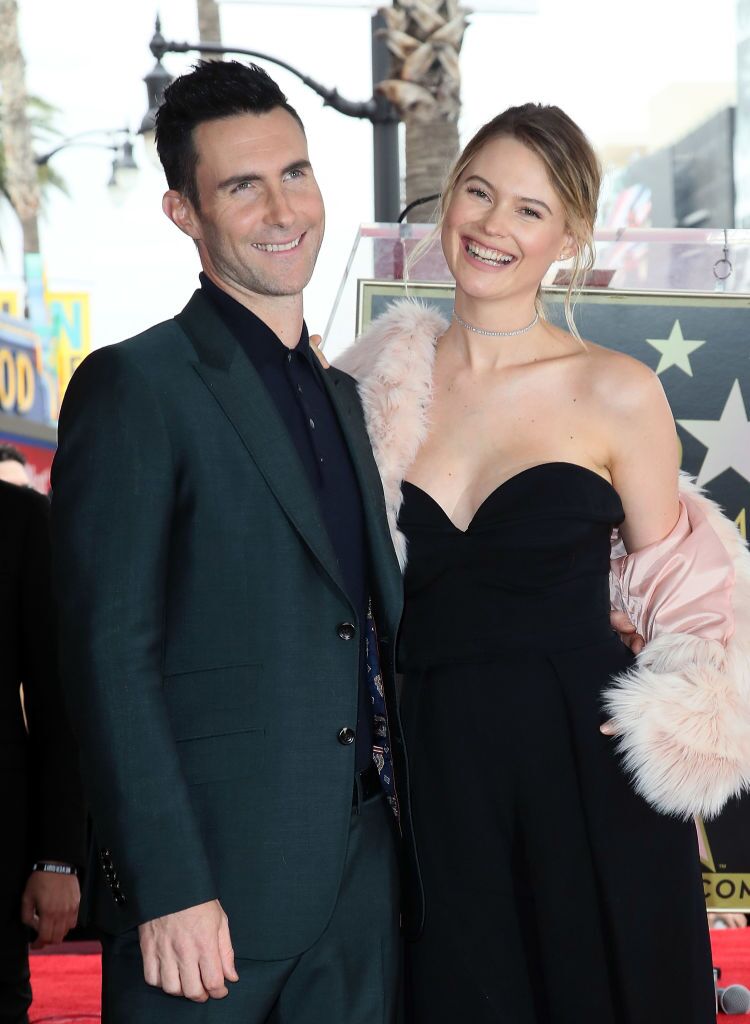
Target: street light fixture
[377,110]
[118,143]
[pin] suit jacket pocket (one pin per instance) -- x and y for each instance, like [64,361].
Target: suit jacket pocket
[214,713]
[222,758]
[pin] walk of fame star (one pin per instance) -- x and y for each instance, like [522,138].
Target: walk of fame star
[675,350]
[727,439]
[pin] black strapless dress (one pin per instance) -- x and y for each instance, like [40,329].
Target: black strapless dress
[553,894]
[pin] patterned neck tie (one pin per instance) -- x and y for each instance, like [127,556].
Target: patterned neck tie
[381,750]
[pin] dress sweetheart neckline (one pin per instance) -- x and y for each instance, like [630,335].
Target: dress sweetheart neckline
[505,483]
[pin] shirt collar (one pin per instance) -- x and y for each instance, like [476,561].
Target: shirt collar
[261,343]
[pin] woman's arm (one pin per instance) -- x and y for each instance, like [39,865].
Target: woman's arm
[644,455]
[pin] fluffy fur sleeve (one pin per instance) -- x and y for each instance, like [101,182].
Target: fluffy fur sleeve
[683,710]
[392,362]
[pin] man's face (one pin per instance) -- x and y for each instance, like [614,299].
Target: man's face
[261,217]
[13,472]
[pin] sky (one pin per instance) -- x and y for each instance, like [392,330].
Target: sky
[601,60]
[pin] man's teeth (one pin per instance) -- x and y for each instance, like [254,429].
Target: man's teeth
[492,256]
[278,248]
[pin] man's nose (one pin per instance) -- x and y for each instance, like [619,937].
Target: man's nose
[278,209]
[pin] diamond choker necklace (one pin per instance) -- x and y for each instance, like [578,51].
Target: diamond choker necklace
[495,334]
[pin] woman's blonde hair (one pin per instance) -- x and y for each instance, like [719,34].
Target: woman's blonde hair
[573,169]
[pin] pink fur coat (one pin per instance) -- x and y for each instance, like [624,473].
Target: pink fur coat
[683,710]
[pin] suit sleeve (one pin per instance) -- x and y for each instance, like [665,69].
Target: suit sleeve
[113,485]
[59,817]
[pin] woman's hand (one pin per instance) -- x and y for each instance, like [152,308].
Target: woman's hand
[625,629]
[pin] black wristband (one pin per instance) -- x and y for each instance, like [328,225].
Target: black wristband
[55,869]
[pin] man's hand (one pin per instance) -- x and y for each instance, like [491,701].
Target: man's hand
[49,905]
[189,953]
[315,340]
[622,625]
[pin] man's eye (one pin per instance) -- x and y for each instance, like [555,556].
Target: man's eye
[296,172]
[242,186]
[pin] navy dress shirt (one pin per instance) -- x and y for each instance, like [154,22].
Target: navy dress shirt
[293,380]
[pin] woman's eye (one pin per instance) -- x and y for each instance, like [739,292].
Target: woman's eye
[531,212]
[477,192]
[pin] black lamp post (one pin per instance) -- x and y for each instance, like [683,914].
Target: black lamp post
[381,114]
[118,143]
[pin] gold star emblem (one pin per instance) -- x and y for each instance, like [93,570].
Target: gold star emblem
[675,350]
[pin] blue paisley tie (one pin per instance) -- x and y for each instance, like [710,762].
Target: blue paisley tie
[381,750]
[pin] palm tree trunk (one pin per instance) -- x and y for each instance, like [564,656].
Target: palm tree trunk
[20,165]
[209,25]
[424,37]
[431,147]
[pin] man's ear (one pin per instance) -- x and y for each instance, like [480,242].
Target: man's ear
[180,211]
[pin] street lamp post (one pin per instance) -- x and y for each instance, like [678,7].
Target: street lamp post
[377,110]
[118,143]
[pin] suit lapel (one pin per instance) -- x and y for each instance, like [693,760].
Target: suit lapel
[342,390]
[235,385]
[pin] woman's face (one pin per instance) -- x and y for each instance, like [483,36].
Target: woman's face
[504,224]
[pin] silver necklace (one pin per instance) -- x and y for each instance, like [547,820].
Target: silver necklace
[496,334]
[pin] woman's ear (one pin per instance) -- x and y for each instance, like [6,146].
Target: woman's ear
[569,247]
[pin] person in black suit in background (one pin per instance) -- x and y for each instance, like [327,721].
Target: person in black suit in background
[40,793]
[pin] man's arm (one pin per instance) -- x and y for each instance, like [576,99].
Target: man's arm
[112,519]
[50,901]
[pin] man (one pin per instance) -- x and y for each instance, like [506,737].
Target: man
[13,466]
[43,815]
[220,537]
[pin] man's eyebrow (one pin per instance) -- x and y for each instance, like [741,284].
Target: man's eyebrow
[236,179]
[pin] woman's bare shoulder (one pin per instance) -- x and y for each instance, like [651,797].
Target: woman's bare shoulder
[622,382]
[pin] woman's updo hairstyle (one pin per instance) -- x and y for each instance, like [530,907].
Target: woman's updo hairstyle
[573,170]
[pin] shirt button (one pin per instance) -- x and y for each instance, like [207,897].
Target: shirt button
[346,736]
[299,388]
[312,423]
[346,630]
[289,357]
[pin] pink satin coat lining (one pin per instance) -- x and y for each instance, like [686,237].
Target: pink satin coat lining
[680,584]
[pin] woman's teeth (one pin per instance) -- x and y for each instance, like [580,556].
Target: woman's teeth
[493,257]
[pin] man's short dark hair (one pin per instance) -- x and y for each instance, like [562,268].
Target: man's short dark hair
[8,453]
[214,89]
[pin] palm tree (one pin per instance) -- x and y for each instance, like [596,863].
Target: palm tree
[40,115]
[424,37]
[209,26]
[20,181]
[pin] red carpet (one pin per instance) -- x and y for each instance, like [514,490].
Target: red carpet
[731,950]
[67,987]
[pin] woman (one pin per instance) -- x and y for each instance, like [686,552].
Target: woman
[558,863]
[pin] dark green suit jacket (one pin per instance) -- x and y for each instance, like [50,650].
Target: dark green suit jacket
[200,603]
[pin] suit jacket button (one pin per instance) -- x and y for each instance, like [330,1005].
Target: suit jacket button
[346,736]
[346,630]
